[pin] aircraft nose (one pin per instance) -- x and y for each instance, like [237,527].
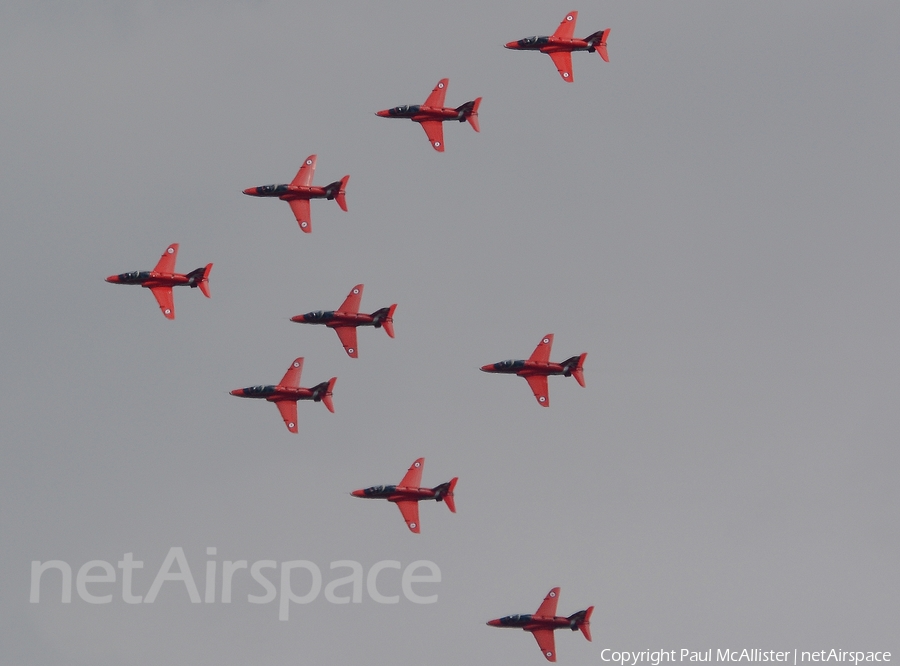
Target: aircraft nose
[384,114]
[299,319]
[359,493]
[251,191]
[113,278]
[493,623]
[511,45]
[487,368]
[238,392]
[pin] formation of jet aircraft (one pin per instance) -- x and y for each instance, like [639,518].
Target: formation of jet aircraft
[347,318]
[300,190]
[163,277]
[544,622]
[433,114]
[288,391]
[538,367]
[560,44]
[407,494]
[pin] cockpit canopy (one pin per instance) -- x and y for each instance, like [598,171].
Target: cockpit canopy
[259,390]
[271,189]
[405,110]
[509,365]
[377,491]
[515,619]
[319,315]
[134,276]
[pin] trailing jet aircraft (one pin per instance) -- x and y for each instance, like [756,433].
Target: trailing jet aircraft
[163,277]
[560,44]
[347,318]
[545,621]
[407,494]
[288,391]
[538,367]
[301,190]
[432,114]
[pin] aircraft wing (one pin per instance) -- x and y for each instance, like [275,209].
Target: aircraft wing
[292,376]
[351,303]
[563,62]
[347,334]
[541,353]
[436,98]
[164,298]
[435,131]
[566,29]
[301,212]
[410,511]
[547,643]
[548,605]
[305,175]
[413,475]
[539,386]
[166,263]
[288,409]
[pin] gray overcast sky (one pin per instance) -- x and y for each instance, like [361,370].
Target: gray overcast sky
[712,216]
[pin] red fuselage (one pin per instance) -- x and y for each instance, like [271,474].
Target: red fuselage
[420,113]
[152,279]
[397,493]
[550,44]
[279,393]
[334,319]
[528,368]
[291,192]
[532,622]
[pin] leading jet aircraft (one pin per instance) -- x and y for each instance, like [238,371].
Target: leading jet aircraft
[163,277]
[347,318]
[288,391]
[301,190]
[432,114]
[407,494]
[560,44]
[545,621]
[538,367]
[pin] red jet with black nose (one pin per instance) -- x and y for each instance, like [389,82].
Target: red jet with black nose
[163,277]
[301,190]
[538,367]
[433,114]
[560,44]
[545,621]
[347,318]
[407,494]
[288,391]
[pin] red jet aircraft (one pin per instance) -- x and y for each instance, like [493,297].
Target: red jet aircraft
[538,367]
[407,494]
[346,318]
[545,621]
[286,394]
[301,190]
[560,44]
[432,114]
[162,278]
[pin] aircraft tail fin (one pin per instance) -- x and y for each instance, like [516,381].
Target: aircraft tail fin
[200,278]
[469,113]
[342,192]
[597,42]
[328,388]
[445,493]
[338,191]
[582,620]
[575,367]
[385,318]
